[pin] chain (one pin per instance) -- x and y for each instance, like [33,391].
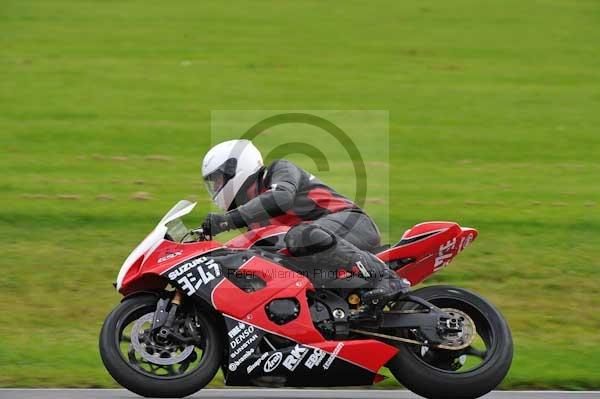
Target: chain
[407,311]
[410,341]
[392,337]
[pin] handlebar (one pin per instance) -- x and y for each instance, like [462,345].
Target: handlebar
[196,235]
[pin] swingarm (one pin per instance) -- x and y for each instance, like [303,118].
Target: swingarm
[431,325]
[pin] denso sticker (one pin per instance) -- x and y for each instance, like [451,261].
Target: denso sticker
[242,345]
[195,273]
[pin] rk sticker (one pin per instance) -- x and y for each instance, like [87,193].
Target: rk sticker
[295,357]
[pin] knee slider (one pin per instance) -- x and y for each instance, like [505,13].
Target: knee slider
[306,239]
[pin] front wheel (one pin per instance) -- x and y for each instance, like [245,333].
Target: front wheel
[466,373]
[155,366]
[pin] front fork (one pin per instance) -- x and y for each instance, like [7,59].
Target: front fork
[163,318]
[164,326]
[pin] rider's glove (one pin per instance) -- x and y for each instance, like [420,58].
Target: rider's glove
[215,224]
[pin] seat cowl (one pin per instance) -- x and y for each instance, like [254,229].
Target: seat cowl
[426,249]
[422,240]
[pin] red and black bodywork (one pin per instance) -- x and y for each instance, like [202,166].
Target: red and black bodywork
[278,324]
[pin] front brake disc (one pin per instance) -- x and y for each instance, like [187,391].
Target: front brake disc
[160,354]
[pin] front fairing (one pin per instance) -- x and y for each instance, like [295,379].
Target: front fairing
[148,246]
[152,272]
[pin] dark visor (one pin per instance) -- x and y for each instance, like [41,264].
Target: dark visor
[219,178]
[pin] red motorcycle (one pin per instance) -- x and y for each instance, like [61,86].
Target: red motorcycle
[193,306]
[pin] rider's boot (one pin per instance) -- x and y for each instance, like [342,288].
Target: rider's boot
[388,286]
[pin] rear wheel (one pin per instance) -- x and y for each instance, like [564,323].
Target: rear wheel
[154,366]
[465,373]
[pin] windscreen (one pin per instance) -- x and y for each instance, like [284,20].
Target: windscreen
[176,230]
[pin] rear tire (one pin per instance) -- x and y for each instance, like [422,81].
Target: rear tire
[144,384]
[433,382]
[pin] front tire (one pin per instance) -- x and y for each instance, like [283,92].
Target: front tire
[142,376]
[437,374]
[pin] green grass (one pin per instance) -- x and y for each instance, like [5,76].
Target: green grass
[494,115]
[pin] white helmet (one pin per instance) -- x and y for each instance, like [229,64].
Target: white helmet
[227,166]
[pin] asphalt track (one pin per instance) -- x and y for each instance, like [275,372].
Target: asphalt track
[277,394]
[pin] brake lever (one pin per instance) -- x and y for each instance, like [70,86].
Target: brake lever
[201,234]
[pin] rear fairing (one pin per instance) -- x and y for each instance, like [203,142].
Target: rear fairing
[426,249]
